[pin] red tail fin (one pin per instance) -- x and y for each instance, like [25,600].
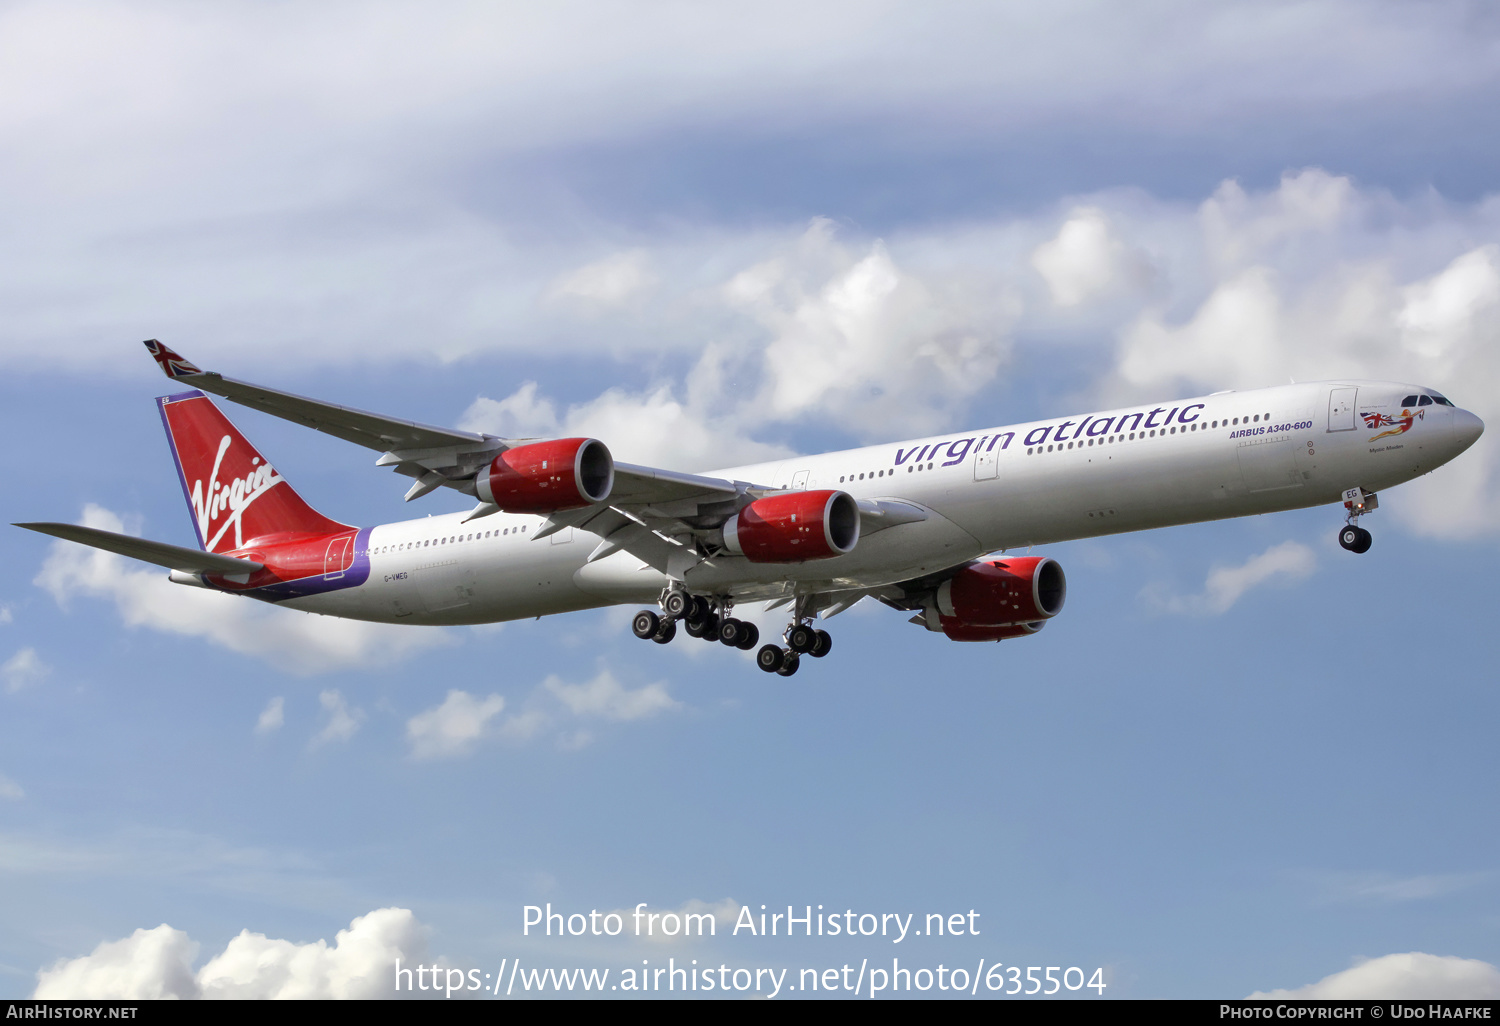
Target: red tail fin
[235,496]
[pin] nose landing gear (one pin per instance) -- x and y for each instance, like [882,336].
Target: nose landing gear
[1358,502]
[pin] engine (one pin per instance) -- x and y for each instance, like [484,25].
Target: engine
[1001,598]
[794,526]
[547,476]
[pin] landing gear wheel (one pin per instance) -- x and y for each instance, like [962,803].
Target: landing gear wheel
[750,639]
[666,632]
[823,646]
[694,628]
[701,610]
[789,664]
[645,624]
[732,631]
[676,603]
[1355,539]
[769,658]
[711,628]
[801,638]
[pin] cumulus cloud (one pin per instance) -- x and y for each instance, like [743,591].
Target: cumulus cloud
[1226,585]
[1087,260]
[815,329]
[1317,279]
[1408,977]
[5,614]
[301,643]
[272,716]
[606,698]
[10,789]
[326,197]
[22,669]
[454,727]
[458,724]
[343,720]
[157,963]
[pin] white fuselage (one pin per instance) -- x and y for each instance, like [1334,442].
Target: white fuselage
[1226,455]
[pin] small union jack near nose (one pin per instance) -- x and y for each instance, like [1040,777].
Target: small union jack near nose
[172,365]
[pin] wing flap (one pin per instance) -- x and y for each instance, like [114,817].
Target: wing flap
[173,557]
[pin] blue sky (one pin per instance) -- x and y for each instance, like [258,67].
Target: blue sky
[1242,759]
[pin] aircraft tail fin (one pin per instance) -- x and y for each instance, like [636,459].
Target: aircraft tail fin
[234,494]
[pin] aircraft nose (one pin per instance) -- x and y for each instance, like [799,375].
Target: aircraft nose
[1466,428]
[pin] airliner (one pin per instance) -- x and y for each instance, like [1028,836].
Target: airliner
[924,526]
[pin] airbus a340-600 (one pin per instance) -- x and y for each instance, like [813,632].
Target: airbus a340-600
[559,525]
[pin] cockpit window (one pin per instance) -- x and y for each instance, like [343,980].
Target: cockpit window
[1440,400]
[1410,400]
[1426,400]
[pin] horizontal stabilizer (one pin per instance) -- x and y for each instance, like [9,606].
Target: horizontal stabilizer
[173,557]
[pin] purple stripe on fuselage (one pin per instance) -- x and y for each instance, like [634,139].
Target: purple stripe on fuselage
[320,584]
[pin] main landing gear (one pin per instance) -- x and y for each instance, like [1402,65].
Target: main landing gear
[801,640]
[1358,502]
[709,619]
[701,618]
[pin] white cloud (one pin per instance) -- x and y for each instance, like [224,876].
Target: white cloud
[1317,279]
[609,281]
[462,721]
[22,669]
[272,717]
[454,727]
[606,698]
[1086,260]
[1226,585]
[147,965]
[5,614]
[812,330]
[153,964]
[343,720]
[301,643]
[1412,976]
[10,789]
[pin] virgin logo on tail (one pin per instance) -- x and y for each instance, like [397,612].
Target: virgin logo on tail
[234,497]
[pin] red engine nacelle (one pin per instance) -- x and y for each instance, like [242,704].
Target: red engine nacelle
[1002,592]
[957,630]
[547,476]
[793,527]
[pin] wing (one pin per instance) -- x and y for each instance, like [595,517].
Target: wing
[173,557]
[434,456]
[650,513]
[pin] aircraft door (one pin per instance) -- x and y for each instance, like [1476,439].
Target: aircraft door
[1341,409]
[986,466]
[336,560]
[799,481]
